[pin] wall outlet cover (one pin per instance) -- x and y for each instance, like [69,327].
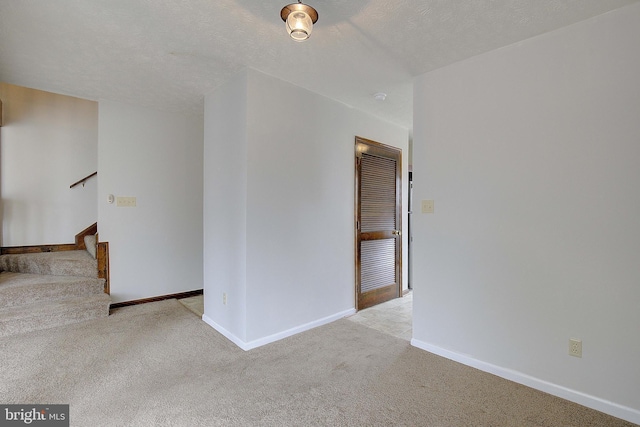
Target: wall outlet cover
[575,347]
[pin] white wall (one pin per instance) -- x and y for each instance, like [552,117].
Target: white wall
[299,201]
[48,142]
[532,154]
[156,247]
[225,206]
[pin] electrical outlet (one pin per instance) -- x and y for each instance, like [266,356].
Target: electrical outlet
[575,347]
[224,298]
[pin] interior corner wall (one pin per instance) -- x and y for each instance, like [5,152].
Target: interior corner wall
[155,248]
[48,142]
[299,206]
[531,154]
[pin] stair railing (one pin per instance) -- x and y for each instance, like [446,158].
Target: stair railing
[83,180]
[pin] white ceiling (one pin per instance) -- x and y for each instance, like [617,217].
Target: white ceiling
[168,54]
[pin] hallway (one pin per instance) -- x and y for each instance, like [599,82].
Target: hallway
[392,317]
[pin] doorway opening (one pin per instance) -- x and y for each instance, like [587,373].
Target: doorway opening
[378,222]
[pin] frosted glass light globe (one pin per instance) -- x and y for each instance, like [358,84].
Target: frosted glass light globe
[299,25]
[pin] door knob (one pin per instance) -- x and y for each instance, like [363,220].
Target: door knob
[396,233]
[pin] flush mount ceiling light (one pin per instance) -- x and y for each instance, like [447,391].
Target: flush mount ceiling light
[299,19]
[380,96]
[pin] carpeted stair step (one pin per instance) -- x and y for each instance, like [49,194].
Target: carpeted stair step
[25,288]
[62,263]
[36,316]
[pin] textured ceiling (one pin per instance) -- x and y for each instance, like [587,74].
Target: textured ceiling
[168,54]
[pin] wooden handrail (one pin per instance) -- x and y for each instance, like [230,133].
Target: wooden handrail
[83,180]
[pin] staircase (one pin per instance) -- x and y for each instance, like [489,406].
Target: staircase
[48,289]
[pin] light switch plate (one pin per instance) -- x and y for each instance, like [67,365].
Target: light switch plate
[427,206]
[126,202]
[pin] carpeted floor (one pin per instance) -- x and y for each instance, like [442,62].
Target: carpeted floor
[159,365]
[195,304]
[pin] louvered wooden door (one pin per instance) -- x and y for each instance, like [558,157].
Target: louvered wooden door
[378,223]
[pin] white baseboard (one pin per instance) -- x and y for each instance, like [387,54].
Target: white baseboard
[278,336]
[228,335]
[611,408]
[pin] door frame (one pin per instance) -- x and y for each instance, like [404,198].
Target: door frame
[367,146]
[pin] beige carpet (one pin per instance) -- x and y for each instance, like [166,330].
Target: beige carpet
[159,365]
[195,304]
[61,263]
